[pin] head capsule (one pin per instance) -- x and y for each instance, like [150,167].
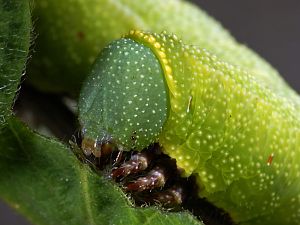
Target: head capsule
[124,100]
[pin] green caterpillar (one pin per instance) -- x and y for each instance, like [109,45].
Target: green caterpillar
[239,137]
[95,23]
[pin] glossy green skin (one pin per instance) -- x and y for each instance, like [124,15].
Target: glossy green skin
[70,34]
[240,138]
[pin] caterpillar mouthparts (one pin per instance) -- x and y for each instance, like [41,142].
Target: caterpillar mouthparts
[216,120]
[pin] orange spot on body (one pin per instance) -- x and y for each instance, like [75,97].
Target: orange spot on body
[270,159]
[80,35]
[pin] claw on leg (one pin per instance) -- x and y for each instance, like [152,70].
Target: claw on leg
[173,196]
[137,163]
[156,178]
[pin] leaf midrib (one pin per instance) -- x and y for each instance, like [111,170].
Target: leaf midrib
[85,194]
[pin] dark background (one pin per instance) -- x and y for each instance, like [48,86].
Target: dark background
[270,27]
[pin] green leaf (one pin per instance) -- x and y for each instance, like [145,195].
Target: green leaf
[43,179]
[14,44]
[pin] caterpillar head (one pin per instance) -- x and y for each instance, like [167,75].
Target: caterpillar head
[124,100]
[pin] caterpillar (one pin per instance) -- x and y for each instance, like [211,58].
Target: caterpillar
[95,23]
[221,124]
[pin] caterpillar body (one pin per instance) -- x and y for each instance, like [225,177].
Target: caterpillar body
[240,138]
[95,23]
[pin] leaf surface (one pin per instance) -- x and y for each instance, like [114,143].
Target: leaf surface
[14,46]
[43,179]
